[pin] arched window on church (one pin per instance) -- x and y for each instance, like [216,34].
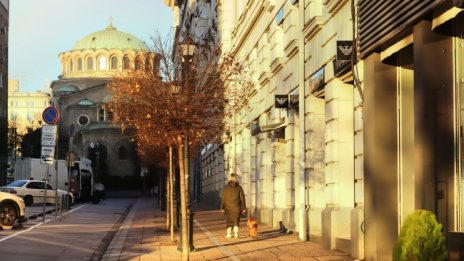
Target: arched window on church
[70,65]
[89,64]
[114,63]
[101,63]
[138,63]
[79,64]
[126,63]
[122,153]
[148,66]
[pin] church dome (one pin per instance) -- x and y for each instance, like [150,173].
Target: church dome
[109,39]
[104,54]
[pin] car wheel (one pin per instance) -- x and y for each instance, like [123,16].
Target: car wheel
[28,201]
[8,214]
[67,201]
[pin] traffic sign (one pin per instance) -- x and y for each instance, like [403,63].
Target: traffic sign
[49,135]
[50,115]
[48,139]
[49,129]
[47,155]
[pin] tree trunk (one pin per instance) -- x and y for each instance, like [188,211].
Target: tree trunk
[171,195]
[183,201]
[168,201]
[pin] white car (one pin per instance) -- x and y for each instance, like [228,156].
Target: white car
[12,209]
[33,191]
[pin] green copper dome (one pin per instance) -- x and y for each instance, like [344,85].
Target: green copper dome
[110,38]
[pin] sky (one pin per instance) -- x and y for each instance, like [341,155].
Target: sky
[40,30]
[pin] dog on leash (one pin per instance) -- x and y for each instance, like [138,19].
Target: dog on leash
[252,226]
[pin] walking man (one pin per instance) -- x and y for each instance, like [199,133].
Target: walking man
[233,204]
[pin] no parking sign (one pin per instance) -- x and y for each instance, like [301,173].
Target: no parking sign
[51,116]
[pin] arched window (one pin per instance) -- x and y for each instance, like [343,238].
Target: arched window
[79,64]
[147,63]
[70,65]
[89,63]
[101,62]
[122,153]
[114,63]
[126,63]
[138,63]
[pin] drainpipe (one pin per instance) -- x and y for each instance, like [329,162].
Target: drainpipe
[301,187]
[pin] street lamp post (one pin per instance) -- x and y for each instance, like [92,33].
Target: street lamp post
[187,47]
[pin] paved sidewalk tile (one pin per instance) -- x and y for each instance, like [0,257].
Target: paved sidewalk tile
[143,236]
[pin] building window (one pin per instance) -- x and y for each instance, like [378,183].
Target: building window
[101,114]
[110,115]
[279,18]
[83,120]
[114,63]
[89,63]
[122,153]
[79,64]
[70,66]
[126,63]
[138,63]
[101,63]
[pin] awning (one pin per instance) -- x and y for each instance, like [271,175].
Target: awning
[272,126]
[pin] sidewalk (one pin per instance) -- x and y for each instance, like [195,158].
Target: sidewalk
[143,236]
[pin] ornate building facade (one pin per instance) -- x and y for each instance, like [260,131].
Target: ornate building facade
[349,152]
[301,165]
[25,108]
[81,93]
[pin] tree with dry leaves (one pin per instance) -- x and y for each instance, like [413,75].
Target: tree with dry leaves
[179,105]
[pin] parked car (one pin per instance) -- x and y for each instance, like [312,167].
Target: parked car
[32,192]
[12,209]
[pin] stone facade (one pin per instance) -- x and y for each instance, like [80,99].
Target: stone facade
[364,146]
[310,179]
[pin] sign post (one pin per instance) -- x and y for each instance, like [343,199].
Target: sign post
[51,116]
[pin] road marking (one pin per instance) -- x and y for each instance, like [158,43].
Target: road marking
[211,237]
[36,225]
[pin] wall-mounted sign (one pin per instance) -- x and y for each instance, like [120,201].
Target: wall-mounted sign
[281,101]
[341,67]
[344,50]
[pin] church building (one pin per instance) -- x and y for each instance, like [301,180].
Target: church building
[86,127]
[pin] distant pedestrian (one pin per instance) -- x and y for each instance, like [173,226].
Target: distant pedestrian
[99,192]
[233,205]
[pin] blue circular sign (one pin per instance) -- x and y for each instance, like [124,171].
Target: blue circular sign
[51,115]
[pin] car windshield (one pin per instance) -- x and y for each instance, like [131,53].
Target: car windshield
[17,183]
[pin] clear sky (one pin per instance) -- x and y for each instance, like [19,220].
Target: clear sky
[40,30]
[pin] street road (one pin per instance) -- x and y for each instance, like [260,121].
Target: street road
[79,234]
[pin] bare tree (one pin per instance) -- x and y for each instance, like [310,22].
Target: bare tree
[169,104]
